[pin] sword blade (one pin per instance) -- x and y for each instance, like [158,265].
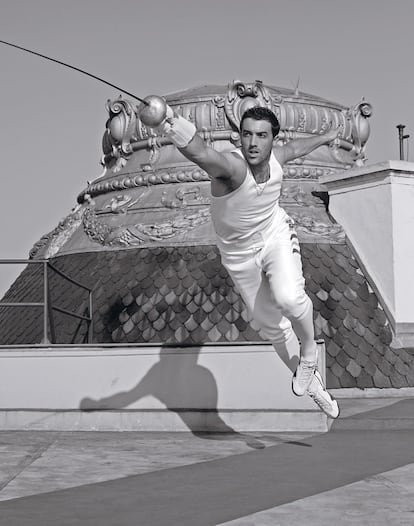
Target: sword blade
[73,67]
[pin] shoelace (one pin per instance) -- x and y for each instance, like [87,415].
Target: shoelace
[307,370]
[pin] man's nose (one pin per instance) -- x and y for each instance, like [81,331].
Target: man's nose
[253,140]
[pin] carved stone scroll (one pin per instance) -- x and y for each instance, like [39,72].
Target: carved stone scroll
[242,96]
[120,131]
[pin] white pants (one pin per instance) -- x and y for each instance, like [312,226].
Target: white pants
[270,280]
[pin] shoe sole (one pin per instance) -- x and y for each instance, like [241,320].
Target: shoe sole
[332,397]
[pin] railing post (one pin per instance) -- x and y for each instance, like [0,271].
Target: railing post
[45,340]
[90,327]
[50,312]
[48,307]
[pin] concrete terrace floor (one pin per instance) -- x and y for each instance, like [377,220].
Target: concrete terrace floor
[361,472]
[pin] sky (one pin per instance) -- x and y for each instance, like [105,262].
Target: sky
[53,118]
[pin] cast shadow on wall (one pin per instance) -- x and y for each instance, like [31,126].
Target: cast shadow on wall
[182,385]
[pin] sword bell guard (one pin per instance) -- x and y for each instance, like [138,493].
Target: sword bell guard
[153,112]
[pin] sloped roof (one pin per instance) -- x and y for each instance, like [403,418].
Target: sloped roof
[183,295]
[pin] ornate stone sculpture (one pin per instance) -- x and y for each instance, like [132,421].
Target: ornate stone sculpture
[216,113]
[149,193]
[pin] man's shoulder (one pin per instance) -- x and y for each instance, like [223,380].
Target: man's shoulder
[236,154]
[235,167]
[236,159]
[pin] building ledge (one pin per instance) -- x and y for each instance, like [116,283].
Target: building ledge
[401,167]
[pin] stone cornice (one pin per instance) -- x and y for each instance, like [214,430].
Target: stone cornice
[186,174]
[385,167]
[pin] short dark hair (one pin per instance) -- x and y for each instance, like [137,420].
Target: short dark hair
[262,114]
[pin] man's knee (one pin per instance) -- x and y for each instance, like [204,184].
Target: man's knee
[275,329]
[282,336]
[293,305]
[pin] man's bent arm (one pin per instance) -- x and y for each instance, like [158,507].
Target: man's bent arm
[299,147]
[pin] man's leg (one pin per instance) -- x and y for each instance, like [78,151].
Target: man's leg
[274,326]
[282,265]
[254,288]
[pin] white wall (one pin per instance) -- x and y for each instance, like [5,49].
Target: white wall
[375,206]
[243,386]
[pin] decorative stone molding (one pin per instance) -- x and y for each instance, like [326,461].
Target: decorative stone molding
[119,204]
[242,96]
[220,113]
[359,115]
[132,235]
[184,197]
[331,232]
[294,171]
[193,174]
[49,244]
[297,195]
[120,130]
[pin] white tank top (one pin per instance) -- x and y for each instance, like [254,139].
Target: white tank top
[244,218]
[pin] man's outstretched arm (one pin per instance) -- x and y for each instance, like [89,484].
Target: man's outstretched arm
[299,147]
[184,135]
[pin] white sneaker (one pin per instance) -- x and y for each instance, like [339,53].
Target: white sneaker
[321,397]
[303,376]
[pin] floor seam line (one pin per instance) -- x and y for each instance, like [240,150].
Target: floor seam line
[28,461]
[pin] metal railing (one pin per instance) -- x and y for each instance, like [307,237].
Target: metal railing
[46,304]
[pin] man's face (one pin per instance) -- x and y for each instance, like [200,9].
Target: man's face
[256,141]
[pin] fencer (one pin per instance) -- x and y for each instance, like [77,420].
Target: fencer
[255,236]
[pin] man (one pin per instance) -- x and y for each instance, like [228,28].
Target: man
[256,238]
